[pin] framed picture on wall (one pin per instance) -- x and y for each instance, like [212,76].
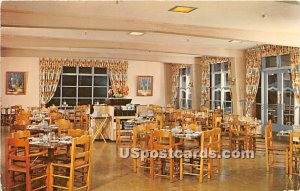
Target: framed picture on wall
[144,86]
[15,83]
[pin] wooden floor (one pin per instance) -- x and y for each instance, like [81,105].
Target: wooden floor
[110,172]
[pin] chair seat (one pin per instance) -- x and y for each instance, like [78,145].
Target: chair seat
[77,164]
[278,148]
[19,168]
[238,138]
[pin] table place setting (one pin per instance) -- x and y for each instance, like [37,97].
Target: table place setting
[50,140]
[186,133]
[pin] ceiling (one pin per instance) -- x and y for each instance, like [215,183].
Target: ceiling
[101,28]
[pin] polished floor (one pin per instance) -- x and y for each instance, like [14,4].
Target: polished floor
[110,172]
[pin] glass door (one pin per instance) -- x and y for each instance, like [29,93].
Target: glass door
[279,98]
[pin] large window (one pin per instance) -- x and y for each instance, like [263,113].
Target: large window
[220,89]
[185,95]
[81,85]
[275,97]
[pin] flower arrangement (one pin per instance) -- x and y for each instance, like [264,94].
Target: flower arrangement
[118,92]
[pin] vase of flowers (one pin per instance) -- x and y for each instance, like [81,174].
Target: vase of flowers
[118,92]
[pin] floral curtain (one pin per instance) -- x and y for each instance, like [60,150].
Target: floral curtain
[50,70]
[205,76]
[175,80]
[253,66]
[118,79]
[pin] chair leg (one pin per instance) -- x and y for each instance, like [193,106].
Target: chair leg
[181,168]
[171,170]
[201,170]
[135,161]
[152,167]
[267,161]
[287,161]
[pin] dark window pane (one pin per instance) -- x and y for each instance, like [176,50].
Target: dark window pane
[69,80]
[217,67]
[100,81]
[271,62]
[69,92]
[84,101]
[84,92]
[85,70]
[70,102]
[101,101]
[100,70]
[227,96]
[217,79]
[226,66]
[100,92]
[84,80]
[258,96]
[57,92]
[217,95]
[285,60]
[258,111]
[69,69]
[182,71]
[53,101]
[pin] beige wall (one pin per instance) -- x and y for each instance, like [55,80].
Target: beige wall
[29,65]
[144,68]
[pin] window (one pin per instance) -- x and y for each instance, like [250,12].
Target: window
[185,95]
[81,85]
[220,89]
[275,98]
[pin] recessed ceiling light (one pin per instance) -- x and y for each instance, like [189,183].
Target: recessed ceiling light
[182,9]
[136,33]
[235,41]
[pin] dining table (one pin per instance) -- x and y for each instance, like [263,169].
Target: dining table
[51,144]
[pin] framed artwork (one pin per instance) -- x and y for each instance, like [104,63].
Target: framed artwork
[15,83]
[144,86]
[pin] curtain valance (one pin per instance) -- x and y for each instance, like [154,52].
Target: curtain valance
[51,68]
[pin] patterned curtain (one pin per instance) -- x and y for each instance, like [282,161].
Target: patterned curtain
[205,83]
[118,78]
[205,76]
[175,81]
[253,65]
[50,70]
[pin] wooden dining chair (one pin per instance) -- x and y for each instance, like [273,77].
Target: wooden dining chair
[21,162]
[238,136]
[76,174]
[188,119]
[141,142]
[54,116]
[159,121]
[63,126]
[294,154]
[124,138]
[21,134]
[76,132]
[162,141]
[12,114]
[281,152]
[202,164]
[53,109]
[217,149]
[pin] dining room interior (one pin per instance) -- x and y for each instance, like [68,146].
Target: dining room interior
[150,95]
